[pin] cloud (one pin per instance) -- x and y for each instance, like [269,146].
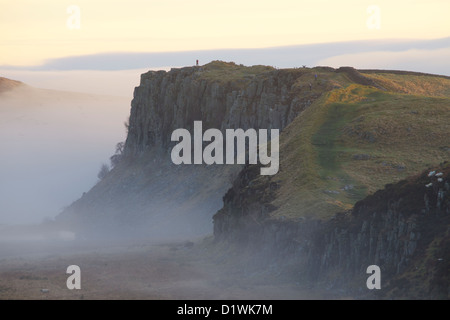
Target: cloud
[286,56]
[428,61]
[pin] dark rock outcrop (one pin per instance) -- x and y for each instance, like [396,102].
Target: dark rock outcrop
[166,101]
[403,228]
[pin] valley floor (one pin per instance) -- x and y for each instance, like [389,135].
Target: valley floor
[139,270]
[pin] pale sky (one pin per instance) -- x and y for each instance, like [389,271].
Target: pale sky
[35,31]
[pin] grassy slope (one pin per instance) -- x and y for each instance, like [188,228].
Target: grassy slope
[356,139]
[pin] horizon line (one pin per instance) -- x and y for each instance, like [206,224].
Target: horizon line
[277,56]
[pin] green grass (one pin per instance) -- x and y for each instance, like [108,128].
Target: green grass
[398,131]
[330,151]
[400,134]
[425,85]
[229,72]
[325,138]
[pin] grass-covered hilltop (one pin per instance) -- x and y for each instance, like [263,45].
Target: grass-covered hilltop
[367,129]
[355,185]
[357,131]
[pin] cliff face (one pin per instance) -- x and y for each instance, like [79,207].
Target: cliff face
[404,229]
[166,101]
[146,193]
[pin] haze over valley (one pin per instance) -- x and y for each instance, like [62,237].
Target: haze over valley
[53,143]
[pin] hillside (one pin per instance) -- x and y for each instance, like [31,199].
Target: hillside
[345,134]
[343,138]
[322,213]
[403,229]
[353,140]
[8,84]
[356,139]
[146,194]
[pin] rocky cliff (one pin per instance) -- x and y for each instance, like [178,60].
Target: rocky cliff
[404,229]
[305,217]
[345,134]
[219,94]
[145,192]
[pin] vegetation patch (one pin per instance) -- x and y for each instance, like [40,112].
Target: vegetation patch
[356,139]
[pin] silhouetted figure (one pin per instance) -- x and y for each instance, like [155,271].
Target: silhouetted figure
[315,77]
[196,62]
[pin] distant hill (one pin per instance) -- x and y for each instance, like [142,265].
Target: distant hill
[7,84]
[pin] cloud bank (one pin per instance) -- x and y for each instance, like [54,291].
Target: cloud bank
[411,55]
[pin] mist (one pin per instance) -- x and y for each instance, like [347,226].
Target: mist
[119,83]
[53,143]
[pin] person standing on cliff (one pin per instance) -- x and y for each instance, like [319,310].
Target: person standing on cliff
[196,62]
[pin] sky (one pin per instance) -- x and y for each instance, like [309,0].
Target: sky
[34,32]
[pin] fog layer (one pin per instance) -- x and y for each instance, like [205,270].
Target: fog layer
[53,144]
